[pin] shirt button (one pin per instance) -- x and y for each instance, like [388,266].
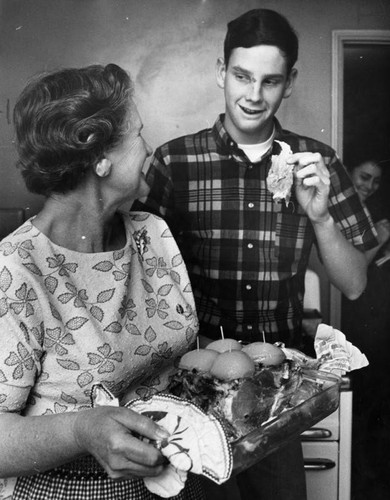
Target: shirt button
[248,287]
[251,205]
[250,166]
[249,327]
[250,245]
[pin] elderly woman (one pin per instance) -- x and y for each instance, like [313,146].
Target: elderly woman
[87,295]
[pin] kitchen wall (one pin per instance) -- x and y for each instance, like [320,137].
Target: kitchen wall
[170,48]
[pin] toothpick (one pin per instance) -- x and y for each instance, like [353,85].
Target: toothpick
[221,328]
[197,343]
[263,333]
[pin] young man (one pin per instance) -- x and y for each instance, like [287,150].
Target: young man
[246,253]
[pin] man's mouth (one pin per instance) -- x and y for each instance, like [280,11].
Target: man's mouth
[251,112]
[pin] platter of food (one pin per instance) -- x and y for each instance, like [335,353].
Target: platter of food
[229,405]
[262,398]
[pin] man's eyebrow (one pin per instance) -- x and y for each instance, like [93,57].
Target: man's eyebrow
[242,70]
[239,69]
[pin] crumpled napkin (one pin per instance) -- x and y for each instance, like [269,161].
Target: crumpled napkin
[335,354]
[281,175]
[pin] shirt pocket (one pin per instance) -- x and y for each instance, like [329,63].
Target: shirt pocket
[294,237]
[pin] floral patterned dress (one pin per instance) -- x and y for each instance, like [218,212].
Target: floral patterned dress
[69,320]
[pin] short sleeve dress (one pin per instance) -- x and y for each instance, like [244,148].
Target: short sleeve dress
[69,320]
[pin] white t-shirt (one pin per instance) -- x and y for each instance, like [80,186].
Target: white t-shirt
[255,152]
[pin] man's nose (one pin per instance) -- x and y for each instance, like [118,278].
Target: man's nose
[254,92]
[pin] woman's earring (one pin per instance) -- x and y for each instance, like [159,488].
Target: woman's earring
[103,168]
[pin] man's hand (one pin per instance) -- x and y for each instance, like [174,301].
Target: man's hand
[345,265]
[312,183]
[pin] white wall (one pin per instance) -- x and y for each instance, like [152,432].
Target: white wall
[170,48]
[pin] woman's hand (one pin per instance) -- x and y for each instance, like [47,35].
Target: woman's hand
[110,435]
[383,229]
[312,184]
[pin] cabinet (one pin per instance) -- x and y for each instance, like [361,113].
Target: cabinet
[327,452]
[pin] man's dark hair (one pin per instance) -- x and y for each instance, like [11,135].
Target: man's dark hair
[66,120]
[262,27]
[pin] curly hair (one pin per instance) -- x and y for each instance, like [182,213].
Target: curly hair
[262,27]
[66,120]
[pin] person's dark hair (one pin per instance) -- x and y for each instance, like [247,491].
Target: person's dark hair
[262,27]
[66,120]
[378,163]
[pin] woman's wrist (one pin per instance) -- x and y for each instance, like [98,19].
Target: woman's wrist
[78,431]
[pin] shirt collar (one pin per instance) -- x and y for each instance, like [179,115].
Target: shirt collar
[222,139]
[225,144]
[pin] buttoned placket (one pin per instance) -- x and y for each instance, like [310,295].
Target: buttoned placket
[249,287]
[250,204]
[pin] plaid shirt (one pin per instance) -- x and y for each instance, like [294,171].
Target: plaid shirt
[246,254]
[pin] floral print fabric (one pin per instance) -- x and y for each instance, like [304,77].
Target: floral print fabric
[69,320]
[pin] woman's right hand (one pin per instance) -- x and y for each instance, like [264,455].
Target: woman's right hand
[110,435]
[383,229]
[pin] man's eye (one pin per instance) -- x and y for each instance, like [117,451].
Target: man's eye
[242,77]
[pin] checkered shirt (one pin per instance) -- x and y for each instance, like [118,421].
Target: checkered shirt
[245,253]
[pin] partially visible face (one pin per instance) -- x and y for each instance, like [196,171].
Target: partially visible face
[128,159]
[255,83]
[366,179]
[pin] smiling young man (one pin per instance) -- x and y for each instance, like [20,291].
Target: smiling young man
[253,92]
[246,253]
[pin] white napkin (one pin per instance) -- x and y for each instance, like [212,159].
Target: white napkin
[335,353]
[281,175]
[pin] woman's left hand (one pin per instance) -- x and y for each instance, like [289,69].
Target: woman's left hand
[312,184]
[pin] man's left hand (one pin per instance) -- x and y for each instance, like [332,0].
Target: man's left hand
[312,184]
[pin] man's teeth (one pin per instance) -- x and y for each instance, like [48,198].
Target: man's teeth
[250,111]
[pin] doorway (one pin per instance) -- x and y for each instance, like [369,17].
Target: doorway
[360,109]
[361,114]
[366,124]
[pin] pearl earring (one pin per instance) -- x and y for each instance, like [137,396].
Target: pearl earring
[103,168]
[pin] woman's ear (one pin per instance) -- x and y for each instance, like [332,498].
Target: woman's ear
[220,72]
[103,168]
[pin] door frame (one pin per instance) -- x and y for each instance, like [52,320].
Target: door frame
[339,39]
